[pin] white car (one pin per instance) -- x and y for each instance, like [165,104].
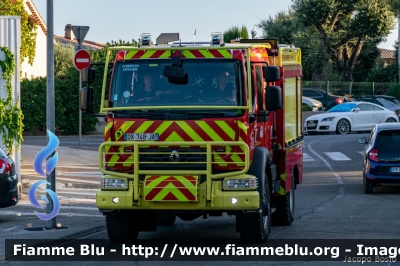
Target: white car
[350,116]
[315,105]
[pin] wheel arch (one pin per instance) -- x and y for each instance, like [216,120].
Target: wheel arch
[345,118]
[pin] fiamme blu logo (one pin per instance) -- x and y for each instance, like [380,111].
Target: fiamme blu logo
[38,167]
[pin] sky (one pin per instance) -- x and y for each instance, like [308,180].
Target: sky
[128,19]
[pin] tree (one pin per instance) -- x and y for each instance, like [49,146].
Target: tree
[343,27]
[235,32]
[63,58]
[28,29]
[282,27]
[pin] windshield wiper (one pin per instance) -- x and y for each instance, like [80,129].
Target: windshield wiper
[132,114]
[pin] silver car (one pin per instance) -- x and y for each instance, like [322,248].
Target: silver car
[315,105]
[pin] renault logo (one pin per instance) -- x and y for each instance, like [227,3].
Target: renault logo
[174,157]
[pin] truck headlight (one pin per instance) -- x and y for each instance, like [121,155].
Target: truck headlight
[115,183]
[243,183]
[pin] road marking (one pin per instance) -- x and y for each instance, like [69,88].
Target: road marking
[64,207]
[59,214]
[76,193]
[338,177]
[9,229]
[361,152]
[337,156]
[307,158]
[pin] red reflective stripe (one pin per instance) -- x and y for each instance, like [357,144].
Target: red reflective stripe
[170,196]
[157,54]
[197,54]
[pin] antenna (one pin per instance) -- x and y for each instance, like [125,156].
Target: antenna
[195,30]
[180,30]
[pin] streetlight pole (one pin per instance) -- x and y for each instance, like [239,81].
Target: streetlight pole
[50,109]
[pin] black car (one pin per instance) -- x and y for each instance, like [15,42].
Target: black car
[381,156]
[328,100]
[8,181]
[386,97]
[389,102]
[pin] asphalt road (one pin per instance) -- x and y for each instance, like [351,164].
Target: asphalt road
[330,204]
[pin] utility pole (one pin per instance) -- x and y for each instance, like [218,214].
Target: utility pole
[50,105]
[398,46]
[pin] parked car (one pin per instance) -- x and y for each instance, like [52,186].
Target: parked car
[387,97]
[8,181]
[315,105]
[381,156]
[328,100]
[350,116]
[389,102]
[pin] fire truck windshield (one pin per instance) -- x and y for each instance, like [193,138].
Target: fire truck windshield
[210,83]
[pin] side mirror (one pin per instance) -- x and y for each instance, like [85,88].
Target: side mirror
[272,74]
[274,98]
[88,75]
[356,110]
[363,140]
[86,100]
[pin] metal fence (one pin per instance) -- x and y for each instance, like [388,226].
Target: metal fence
[355,89]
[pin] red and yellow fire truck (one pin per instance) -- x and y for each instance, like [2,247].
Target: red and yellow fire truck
[199,130]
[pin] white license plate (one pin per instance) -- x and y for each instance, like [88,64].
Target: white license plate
[311,124]
[141,136]
[395,169]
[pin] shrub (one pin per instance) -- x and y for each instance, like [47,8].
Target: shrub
[33,104]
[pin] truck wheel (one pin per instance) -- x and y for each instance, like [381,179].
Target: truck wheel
[166,219]
[256,227]
[120,227]
[284,214]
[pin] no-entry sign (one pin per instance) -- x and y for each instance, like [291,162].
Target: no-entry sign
[81,60]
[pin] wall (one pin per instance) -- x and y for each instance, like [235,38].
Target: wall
[39,67]
[10,37]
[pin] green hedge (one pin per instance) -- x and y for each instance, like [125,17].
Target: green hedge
[33,105]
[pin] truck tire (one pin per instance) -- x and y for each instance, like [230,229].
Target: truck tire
[284,214]
[256,226]
[120,227]
[165,219]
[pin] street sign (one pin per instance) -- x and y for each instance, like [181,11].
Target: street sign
[80,33]
[81,60]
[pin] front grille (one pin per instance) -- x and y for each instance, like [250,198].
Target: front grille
[314,122]
[211,158]
[160,156]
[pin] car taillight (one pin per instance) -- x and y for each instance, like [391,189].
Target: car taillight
[339,101]
[373,155]
[5,167]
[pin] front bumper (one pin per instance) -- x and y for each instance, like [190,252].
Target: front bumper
[326,126]
[221,200]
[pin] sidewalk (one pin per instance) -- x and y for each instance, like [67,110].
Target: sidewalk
[77,173]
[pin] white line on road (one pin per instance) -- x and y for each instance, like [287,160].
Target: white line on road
[338,177]
[9,229]
[307,158]
[361,152]
[66,207]
[337,156]
[59,214]
[80,166]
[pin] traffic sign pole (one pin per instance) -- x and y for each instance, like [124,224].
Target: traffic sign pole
[80,34]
